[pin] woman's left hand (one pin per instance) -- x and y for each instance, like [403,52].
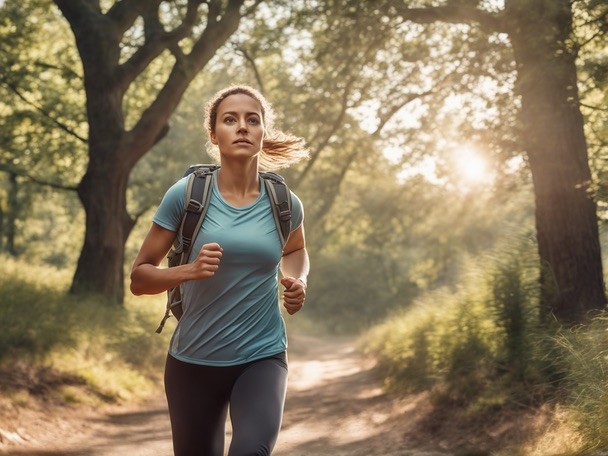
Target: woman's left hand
[294,294]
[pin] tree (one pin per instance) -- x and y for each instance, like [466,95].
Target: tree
[116,46]
[540,34]
[42,140]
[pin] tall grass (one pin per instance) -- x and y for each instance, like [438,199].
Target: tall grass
[470,341]
[584,365]
[113,350]
[481,345]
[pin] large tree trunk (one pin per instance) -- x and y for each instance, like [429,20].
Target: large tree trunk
[566,221]
[113,152]
[103,188]
[100,266]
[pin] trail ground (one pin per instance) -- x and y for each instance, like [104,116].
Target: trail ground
[336,406]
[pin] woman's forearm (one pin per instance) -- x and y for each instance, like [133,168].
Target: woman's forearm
[149,279]
[296,264]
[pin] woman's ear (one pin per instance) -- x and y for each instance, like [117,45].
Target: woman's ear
[213,138]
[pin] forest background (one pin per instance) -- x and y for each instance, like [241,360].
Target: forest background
[455,197]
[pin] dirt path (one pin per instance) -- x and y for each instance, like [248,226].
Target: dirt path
[334,407]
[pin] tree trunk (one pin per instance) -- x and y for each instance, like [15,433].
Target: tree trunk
[100,269]
[572,281]
[13,211]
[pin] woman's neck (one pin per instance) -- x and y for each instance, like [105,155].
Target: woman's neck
[239,183]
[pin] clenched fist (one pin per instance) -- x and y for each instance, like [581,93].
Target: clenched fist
[207,261]
[294,294]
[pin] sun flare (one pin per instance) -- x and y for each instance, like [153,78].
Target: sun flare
[472,167]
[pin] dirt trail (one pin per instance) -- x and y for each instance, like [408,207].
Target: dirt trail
[335,406]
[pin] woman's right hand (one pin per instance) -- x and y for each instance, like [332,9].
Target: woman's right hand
[207,261]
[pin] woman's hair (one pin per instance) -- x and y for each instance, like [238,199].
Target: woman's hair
[279,149]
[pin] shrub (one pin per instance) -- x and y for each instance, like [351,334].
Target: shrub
[475,342]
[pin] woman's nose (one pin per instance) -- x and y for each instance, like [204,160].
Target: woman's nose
[242,125]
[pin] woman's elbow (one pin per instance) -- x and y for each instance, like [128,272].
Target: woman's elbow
[135,285]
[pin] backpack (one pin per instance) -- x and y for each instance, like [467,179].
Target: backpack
[198,195]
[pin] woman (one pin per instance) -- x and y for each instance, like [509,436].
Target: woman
[228,348]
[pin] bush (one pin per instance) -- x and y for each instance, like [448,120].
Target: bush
[583,364]
[482,346]
[35,314]
[114,349]
[476,343]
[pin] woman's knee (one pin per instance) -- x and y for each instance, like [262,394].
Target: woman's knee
[249,448]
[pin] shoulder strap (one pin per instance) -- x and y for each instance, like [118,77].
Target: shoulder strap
[197,202]
[280,198]
[198,194]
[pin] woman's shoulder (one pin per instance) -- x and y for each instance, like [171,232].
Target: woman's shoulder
[297,210]
[177,191]
[295,199]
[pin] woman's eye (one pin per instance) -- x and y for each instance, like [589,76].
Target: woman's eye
[229,119]
[254,120]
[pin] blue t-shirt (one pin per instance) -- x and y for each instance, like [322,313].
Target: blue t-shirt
[233,317]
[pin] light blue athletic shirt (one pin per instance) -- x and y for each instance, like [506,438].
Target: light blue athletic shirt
[233,317]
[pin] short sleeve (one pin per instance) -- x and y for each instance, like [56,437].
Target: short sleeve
[297,212]
[171,209]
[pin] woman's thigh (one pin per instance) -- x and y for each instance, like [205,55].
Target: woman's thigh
[198,403]
[256,407]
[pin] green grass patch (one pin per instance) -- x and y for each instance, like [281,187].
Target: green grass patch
[113,351]
[583,363]
[481,346]
[473,344]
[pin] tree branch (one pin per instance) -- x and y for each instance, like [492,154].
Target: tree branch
[156,41]
[600,32]
[22,173]
[251,61]
[252,8]
[124,13]
[61,125]
[595,108]
[457,14]
[63,69]
[337,123]
[154,118]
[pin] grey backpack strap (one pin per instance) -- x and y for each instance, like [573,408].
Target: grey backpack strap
[280,198]
[195,210]
[198,194]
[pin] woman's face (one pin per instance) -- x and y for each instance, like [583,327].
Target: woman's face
[239,127]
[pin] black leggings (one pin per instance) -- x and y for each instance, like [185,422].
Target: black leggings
[199,396]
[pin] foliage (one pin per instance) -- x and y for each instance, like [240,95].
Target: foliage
[114,350]
[590,35]
[482,346]
[475,344]
[43,138]
[583,363]
[389,243]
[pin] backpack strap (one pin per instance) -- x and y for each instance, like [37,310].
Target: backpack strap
[280,197]
[198,194]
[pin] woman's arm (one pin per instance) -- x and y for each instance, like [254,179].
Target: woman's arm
[148,278]
[295,266]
